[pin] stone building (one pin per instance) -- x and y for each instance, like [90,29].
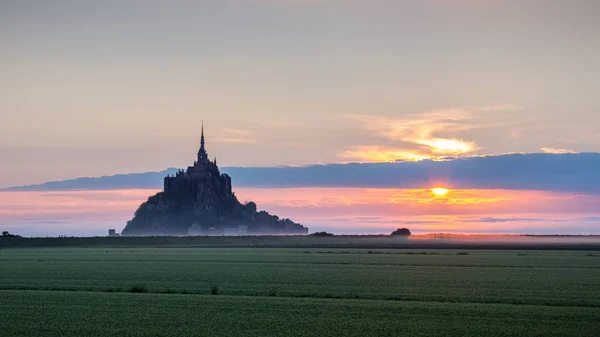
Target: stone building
[202,180]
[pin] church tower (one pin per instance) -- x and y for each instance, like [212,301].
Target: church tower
[202,155]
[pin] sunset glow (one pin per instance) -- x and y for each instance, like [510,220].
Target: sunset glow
[307,106]
[375,154]
[328,167]
[440,191]
[447,146]
[419,133]
[348,210]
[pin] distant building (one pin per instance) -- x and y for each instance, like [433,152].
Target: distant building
[197,230]
[201,181]
[242,230]
[238,230]
[112,232]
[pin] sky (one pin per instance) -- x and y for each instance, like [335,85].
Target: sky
[93,88]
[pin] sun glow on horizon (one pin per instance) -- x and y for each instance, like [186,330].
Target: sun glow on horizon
[441,207]
[440,191]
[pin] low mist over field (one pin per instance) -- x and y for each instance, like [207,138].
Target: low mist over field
[336,210]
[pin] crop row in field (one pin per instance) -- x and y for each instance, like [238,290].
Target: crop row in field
[542,278]
[38,313]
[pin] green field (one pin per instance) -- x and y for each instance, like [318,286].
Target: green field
[297,292]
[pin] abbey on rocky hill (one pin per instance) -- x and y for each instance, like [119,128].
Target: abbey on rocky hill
[202,180]
[200,201]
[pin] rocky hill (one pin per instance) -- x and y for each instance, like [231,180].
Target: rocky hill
[200,201]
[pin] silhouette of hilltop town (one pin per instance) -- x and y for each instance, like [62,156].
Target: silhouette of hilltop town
[200,201]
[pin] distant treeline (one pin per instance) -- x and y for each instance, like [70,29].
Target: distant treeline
[341,241]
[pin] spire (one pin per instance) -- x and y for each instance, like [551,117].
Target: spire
[202,136]
[202,155]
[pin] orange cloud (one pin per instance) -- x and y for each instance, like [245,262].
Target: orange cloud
[382,154]
[419,130]
[447,146]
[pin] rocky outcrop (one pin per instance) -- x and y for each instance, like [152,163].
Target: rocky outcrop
[165,214]
[200,201]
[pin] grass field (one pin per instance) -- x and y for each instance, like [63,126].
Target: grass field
[297,292]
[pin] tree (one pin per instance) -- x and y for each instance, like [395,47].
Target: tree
[6,234]
[321,234]
[251,206]
[401,232]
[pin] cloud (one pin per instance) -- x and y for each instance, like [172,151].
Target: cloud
[556,151]
[230,135]
[502,220]
[235,140]
[381,154]
[540,171]
[435,134]
[447,146]
[239,132]
[499,108]
[417,136]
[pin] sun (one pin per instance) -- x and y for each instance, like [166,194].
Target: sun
[440,191]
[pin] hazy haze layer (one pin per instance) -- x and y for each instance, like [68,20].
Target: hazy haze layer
[338,210]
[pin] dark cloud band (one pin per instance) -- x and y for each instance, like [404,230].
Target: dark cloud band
[546,172]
